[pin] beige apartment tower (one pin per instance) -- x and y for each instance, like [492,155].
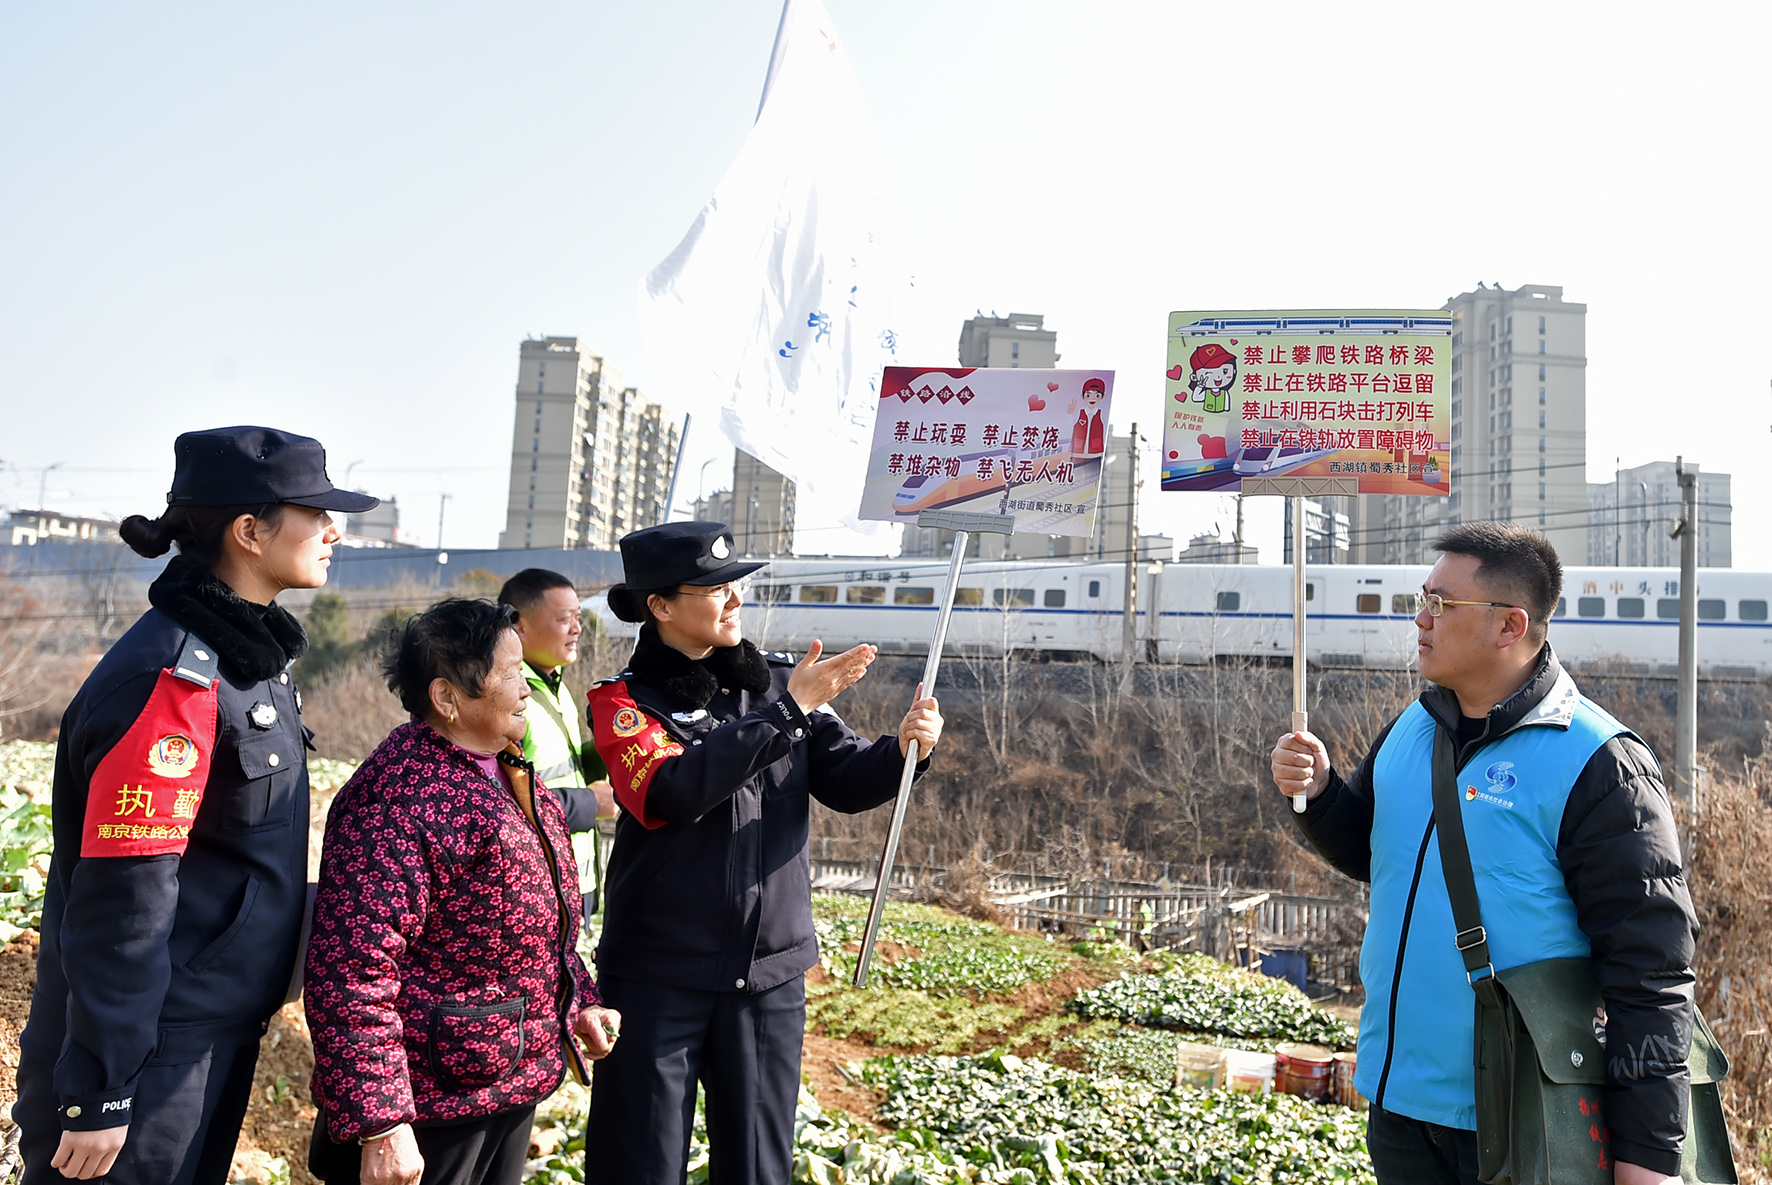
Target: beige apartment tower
[1518,431]
[591,457]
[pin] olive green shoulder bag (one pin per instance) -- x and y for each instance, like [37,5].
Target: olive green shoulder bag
[1541,1067]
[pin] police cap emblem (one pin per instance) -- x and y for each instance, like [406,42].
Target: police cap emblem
[719,548]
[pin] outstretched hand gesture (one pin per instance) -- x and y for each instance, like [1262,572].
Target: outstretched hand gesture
[817,682]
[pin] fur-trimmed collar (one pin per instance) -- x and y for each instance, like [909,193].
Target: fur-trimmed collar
[693,682]
[252,642]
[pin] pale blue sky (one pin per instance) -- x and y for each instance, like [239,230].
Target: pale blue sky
[342,219]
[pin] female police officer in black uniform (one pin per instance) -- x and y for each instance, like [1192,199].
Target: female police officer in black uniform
[714,750]
[178,882]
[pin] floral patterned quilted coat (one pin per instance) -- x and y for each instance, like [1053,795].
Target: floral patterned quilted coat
[443,976]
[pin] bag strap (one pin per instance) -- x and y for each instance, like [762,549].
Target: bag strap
[1461,883]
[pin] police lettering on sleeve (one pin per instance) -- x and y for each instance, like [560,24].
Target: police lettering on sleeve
[632,745]
[144,794]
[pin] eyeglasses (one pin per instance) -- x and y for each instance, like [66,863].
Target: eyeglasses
[1436,604]
[740,587]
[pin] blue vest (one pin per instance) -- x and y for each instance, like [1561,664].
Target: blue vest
[1417,1027]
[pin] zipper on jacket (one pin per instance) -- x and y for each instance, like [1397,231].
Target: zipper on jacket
[1390,1045]
[563,997]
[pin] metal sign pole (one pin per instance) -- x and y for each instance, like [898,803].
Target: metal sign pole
[963,525]
[1301,719]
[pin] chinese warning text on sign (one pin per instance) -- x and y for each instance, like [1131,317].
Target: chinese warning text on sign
[1022,443]
[1361,395]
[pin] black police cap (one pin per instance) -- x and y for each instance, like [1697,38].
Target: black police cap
[681,553]
[246,465]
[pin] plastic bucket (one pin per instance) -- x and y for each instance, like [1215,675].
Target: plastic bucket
[1305,1070]
[1252,1073]
[1343,1090]
[1199,1065]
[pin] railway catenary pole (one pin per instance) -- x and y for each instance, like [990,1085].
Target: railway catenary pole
[962,525]
[1686,703]
[1301,719]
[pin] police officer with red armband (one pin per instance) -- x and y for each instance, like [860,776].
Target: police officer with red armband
[178,885]
[715,750]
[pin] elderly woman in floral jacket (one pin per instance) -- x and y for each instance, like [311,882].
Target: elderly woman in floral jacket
[445,993]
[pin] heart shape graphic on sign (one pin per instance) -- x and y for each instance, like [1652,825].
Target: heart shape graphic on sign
[965,396]
[945,394]
[1035,403]
[1052,386]
[1233,341]
[1174,372]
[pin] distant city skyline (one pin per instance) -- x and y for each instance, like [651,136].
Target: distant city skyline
[314,218]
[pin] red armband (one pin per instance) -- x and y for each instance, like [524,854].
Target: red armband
[631,744]
[145,792]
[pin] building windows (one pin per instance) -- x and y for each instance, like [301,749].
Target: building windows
[1541,372]
[1541,417]
[1541,466]
[1491,331]
[1541,397]
[1015,349]
[1457,408]
[1458,386]
[1457,430]
[1457,363]
[1541,444]
[1541,347]
[1457,339]
[1510,325]
[1541,491]
[1541,325]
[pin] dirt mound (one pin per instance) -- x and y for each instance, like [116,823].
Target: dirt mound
[18,976]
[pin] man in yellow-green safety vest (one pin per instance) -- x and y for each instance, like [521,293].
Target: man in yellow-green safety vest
[548,624]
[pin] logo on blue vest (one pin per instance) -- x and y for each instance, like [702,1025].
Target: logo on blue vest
[1501,781]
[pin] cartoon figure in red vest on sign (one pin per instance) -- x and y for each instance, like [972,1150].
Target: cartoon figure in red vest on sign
[1215,373]
[1089,437]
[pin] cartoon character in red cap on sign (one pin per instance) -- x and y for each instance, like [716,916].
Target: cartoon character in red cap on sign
[1089,437]
[1215,373]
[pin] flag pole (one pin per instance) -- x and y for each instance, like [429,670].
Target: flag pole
[676,471]
[963,525]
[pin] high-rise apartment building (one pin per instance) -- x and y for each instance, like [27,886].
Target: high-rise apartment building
[1325,532]
[1518,430]
[1629,518]
[591,457]
[762,508]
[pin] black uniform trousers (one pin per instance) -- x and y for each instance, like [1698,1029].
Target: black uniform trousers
[744,1049]
[189,1104]
[491,1150]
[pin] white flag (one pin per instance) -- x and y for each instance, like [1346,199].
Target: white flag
[773,316]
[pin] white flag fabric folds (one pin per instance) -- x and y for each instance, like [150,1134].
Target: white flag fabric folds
[774,315]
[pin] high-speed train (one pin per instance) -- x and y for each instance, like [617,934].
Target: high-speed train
[1623,619]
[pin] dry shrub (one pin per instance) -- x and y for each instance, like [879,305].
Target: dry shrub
[1731,879]
[351,710]
[965,888]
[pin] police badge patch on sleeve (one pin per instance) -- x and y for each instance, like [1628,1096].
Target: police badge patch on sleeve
[144,795]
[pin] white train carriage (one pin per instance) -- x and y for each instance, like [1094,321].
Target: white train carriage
[1621,619]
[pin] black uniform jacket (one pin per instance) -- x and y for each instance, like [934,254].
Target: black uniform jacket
[709,882]
[178,883]
[1620,855]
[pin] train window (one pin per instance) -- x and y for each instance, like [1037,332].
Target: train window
[1367,603]
[968,596]
[823,594]
[1591,606]
[1013,598]
[1668,608]
[1630,606]
[770,594]
[1750,610]
[1562,607]
[1310,592]
[1403,603]
[865,594]
[914,594]
[1229,602]
[1712,610]
[1095,588]
[1054,598]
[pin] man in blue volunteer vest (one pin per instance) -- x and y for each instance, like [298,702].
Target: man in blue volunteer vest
[1575,853]
[548,622]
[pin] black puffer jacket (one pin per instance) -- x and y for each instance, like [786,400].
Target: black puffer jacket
[709,882]
[1620,856]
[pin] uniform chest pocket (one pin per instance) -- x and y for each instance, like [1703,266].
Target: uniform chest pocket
[269,762]
[474,1046]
